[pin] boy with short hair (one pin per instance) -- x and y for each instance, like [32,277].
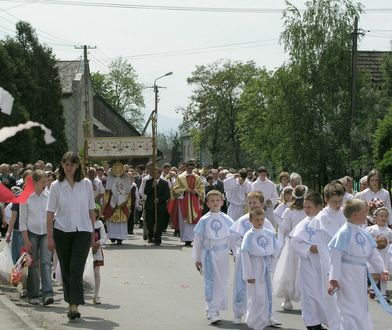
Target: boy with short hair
[317,307]
[210,252]
[259,251]
[254,199]
[350,249]
[331,218]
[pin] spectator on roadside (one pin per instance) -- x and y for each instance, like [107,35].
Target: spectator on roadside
[71,199]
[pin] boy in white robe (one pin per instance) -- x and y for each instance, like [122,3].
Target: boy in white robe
[236,188]
[239,228]
[383,236]
[259,251]
[211,254]
[317,306]
[350,249]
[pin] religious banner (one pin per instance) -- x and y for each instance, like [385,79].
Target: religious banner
[119,147]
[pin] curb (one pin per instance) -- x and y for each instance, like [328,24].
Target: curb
[19,312]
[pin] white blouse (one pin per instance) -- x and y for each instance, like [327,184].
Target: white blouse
[367,195]
[71,205]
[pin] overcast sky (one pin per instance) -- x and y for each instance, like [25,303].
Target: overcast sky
[158,40]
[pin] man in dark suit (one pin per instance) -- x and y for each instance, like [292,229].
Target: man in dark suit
[156,226]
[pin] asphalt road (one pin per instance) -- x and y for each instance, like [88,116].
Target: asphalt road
[148,287]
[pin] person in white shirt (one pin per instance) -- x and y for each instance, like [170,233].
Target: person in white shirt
[268,188]
[71,203]
[32,224]
[236,188]
[376,191]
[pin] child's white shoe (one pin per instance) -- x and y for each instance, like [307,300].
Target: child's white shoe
[273,322]
[287,305]
[214,317]
[96,301]
[237,319]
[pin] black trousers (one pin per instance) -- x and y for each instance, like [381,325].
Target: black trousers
[72,250]
[162,221]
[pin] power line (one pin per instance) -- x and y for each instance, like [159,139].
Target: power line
[167,8]
[223,47]
[182,8]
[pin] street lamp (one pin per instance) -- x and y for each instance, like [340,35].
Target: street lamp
[154,126]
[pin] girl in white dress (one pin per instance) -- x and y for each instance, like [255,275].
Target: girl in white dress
[100,240]
[383,236]
[286,197]
[376,191]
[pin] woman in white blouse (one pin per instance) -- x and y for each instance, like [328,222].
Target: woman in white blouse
[70,223]
[375,191]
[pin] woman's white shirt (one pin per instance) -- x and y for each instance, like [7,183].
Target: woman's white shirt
[71,205]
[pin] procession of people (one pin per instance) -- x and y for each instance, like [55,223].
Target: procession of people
[288,242]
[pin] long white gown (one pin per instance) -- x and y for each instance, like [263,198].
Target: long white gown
[238,229]
[318,307]
[285,281]
[259,251]
[350,249]
[211,247]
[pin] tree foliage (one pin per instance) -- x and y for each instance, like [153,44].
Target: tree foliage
[121,89]
[215,107]
[28,71]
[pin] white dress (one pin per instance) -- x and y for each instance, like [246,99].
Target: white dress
[367,195]
[285,282]
[259,251]
[318,307]
[211,247]
[238,229]
[278,216]
[351,248]
[376,231]
[98,226]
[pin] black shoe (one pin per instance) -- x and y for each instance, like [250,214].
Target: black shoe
[112,240]
[72,315]
[188,243]
[119,242]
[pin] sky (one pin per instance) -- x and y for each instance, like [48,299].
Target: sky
[160,36]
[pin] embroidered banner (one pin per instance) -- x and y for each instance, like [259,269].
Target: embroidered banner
[119,147]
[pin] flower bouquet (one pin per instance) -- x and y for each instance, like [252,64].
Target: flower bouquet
[20,268]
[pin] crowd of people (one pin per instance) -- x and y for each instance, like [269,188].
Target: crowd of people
[287,242]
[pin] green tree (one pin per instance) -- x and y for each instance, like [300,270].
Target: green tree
[32,78]
[319,45]
[382,147]
[121,89]
[215,107]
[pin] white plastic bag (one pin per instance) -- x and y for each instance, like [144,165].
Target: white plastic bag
[88,274]
[58,273]
[6,264]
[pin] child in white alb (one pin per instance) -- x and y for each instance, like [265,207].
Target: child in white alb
[254,199]
[259,251]
[317,306]
[351,249]
[210,252]
[383,236]
[100,240]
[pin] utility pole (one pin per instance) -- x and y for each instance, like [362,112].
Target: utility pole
[355,35]
[154,126]
[87,121]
